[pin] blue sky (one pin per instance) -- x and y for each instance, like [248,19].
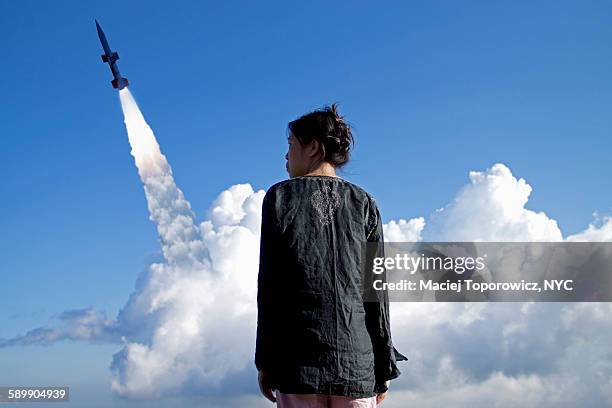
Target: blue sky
[434,90]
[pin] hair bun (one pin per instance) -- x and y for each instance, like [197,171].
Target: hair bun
[328,127]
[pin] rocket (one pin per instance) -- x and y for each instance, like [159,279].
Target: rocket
[111,58]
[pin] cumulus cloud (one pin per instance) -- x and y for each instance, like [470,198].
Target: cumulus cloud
[515,354]
[404,230]
[189,325]
[492,208]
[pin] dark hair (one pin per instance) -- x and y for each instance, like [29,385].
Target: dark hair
[328,127]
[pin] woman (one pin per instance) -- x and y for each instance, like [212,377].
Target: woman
[319,343]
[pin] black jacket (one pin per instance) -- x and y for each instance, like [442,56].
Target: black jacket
[315,333]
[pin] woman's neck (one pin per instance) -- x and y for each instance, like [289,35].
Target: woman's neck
[323,169]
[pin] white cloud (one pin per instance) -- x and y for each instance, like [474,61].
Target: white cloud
[85,324]
[491,208]
[594,233]
[404,231]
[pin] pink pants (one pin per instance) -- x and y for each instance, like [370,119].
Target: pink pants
[322,401]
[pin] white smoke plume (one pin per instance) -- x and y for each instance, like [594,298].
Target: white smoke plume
[189,325]
[197,305]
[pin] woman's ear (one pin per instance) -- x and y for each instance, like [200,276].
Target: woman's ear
[313,148]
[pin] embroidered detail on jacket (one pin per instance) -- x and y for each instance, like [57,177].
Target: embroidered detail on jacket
[325,203]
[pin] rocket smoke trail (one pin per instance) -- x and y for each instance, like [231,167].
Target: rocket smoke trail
[209,270]
[181,240]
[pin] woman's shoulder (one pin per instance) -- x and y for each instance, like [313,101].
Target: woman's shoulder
[304,181]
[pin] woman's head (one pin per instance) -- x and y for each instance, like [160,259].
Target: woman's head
[316,138]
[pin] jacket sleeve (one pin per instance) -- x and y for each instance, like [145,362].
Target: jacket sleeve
[266,288]
[377,311]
